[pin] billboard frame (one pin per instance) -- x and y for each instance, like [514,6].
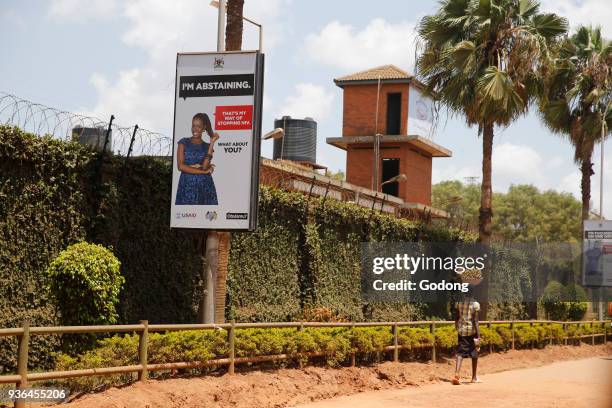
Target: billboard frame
[255,151]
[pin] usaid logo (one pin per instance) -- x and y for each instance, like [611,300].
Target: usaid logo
[211,215]
[180,216]
[218,64]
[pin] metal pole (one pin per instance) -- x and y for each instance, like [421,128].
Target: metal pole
[211,252]
[600,304]
[601,173]
[132,142]
[108,130]
[221,27]
[375,147]
[260,37]
[377,177]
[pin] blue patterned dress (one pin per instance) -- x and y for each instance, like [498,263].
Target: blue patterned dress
[195,189]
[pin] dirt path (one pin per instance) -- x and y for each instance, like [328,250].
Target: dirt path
[582,383]
[577,381]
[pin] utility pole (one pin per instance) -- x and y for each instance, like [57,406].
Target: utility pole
[206,312]
[601,195]
[376,146]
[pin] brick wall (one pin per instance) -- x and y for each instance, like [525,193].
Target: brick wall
[359,113]
[417,187]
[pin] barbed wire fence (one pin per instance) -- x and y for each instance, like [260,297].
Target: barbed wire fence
[44,120]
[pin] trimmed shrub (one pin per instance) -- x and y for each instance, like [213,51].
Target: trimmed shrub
[552,301]
[84,280]
[336,344]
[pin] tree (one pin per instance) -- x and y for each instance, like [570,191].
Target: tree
[339,175]
[234,28]
[578,97]
[483,60]
[523,214]
[460,201]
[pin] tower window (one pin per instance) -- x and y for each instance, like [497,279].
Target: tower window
[394,113]
[390,168]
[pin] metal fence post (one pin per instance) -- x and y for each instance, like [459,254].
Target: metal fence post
[532,341]
[22,360]
[395,344]
[593,333]
[232,348]
[565,334]
[605,330]
[432,328]
[512,332]
[143,345]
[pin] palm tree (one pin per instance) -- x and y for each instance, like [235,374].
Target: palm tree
[234,28]
[483,59]
[578,96]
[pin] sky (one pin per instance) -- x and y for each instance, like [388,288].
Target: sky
[103,57]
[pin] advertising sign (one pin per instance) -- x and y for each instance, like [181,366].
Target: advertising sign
[217,130]
[420,113]
[597,253]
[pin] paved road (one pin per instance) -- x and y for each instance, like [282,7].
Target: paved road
[581,383]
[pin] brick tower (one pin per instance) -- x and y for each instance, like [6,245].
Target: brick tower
[404,128]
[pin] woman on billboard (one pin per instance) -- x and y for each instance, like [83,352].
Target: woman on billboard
[194,157]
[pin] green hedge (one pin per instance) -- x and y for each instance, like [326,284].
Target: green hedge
[52,196]
[336,343]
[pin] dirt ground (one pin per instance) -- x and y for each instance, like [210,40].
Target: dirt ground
[570,384]
[291,387]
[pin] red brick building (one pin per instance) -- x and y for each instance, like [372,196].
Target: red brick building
[388,101]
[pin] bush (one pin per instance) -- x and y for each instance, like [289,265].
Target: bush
[336,344]
[577,305]
[551,301]
[564,302]
[84,280]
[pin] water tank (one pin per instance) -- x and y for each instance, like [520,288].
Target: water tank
[300,140]
[92,137]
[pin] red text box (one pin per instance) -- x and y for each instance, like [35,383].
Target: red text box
[234,117]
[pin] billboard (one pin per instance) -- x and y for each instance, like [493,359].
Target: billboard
[217,130]
[597,253]
[420,113]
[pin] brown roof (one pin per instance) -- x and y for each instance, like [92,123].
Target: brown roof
[384,72]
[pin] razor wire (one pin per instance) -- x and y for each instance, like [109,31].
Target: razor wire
[68,126]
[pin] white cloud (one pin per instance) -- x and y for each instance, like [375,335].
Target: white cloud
[380,42]
[570,183]
[161,28]
[309,100]
[512,164]
[517,164]
[11,17]
[521,164]
[585,12]
[130,99]
[82,10]
[442,172]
